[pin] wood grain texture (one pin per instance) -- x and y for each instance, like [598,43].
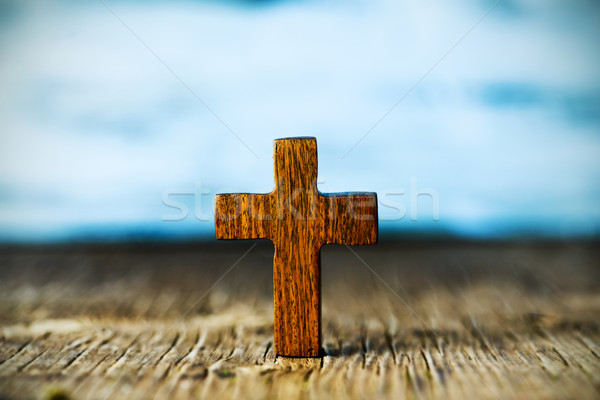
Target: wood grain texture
[298,219]
[471,321]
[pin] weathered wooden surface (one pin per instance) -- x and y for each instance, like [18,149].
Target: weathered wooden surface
[298,220]
[445,321]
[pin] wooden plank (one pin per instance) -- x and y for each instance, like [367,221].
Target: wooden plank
[477,333]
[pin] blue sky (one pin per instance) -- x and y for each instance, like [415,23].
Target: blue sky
[111,109]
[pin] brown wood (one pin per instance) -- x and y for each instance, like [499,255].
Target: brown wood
[298,220]
[490,321]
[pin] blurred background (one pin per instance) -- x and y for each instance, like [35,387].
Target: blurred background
[120,120]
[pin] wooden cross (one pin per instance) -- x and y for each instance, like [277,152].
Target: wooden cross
[298,219]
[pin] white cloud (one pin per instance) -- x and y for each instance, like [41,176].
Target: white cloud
[89,117]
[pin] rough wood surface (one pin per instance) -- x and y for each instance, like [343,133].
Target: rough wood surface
[435,321]
[298,220]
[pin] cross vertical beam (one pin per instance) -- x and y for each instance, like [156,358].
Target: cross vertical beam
[297,264]
[299,220]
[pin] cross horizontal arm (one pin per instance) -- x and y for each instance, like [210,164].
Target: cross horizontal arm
[243,216]
[350,218]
